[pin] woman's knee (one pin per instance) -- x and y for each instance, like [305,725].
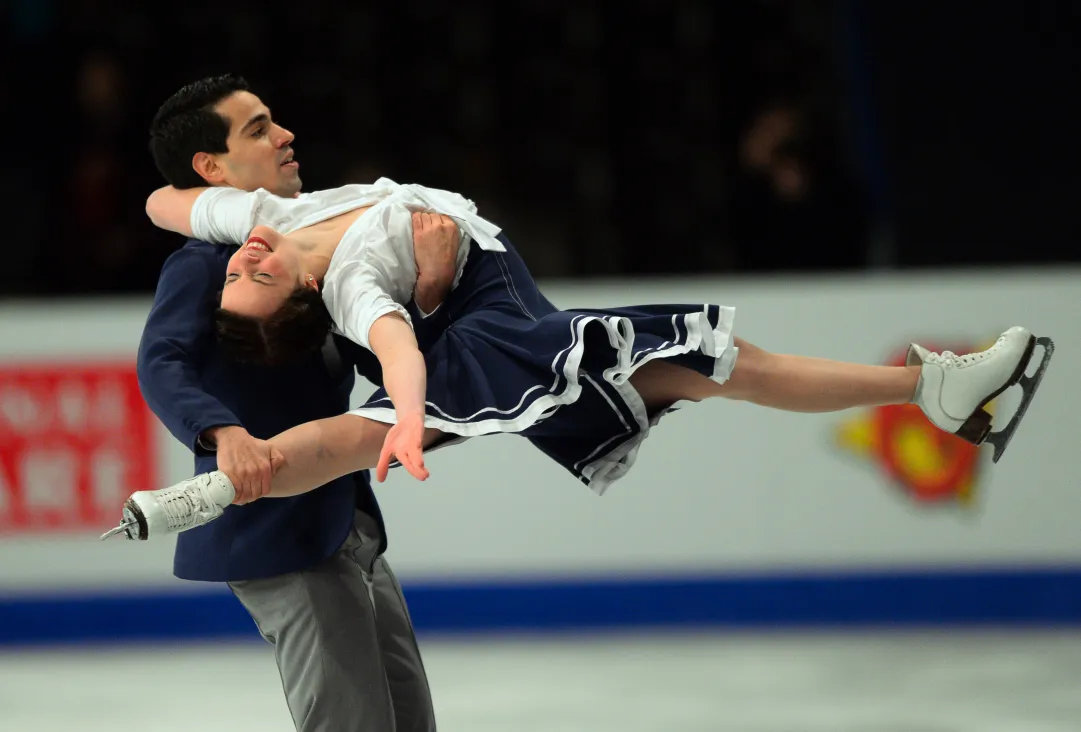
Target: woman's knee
[750,372]
[660,384]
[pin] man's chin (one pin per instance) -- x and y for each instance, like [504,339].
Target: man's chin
[293,186]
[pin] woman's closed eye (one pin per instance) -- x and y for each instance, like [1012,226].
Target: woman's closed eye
[261,277]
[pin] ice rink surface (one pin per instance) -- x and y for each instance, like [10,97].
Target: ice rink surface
[934,681]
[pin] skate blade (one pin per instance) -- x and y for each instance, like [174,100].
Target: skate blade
[124,528]
[132,524]
[1029,384]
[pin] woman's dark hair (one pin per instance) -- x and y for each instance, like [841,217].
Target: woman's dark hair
[295,330]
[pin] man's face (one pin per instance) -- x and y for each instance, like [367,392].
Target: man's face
[259,153]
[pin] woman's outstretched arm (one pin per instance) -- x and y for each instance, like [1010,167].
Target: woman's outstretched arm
[313,454]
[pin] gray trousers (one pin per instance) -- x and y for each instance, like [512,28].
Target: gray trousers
[344,642]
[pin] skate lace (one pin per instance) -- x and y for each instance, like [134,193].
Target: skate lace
[182,505]
[949,358]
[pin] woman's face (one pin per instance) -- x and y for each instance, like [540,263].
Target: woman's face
[262,274]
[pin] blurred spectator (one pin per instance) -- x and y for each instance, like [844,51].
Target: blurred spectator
[794,205]
[101,241]
[607,140]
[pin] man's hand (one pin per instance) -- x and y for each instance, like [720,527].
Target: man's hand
[248,462]
[435,248]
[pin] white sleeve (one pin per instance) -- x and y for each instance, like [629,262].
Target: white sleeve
[375,275]
[226,215]
[289,214]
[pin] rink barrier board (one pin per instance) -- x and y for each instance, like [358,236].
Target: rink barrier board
[1007,597]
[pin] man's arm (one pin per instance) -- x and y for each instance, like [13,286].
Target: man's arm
[177,332]
[218,215]
[170,208]
[430,293]
[175,338]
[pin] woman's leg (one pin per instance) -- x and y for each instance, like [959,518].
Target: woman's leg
[304,457]
[315,453]
[789,383]
[318,452]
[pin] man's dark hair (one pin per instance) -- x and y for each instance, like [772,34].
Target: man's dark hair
[187,124]
[298,328]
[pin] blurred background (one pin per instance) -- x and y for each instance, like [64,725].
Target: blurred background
[850,175]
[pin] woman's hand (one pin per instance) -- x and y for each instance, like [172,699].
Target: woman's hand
[405,441]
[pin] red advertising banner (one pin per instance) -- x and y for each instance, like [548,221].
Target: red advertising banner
[75,441]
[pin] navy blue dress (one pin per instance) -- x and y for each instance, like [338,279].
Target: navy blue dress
[505,359]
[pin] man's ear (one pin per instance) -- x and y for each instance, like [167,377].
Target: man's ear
[208,168]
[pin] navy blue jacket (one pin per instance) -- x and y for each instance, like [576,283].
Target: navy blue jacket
[191,386]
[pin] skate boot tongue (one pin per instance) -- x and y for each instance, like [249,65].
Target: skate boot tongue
[916,355]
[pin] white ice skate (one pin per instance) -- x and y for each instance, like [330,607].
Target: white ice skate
[953,390]
[180,507]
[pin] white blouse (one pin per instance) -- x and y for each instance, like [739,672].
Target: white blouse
[373,271]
